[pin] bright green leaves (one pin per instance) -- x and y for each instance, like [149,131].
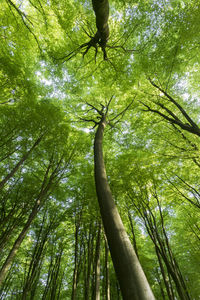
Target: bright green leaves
[42,95]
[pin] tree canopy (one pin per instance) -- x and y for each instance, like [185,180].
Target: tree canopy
[62,64]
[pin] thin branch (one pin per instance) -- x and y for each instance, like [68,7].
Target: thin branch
[107,106]
[183,112]
[183,195]
[188,185]
[96,109]
[21,13]
[6,101]
[42,12]
[168,110]
[85,31]
[157,111]
[24,16]
[90,120]
[123,111]
[114,46]
[194,146]
[184,126]
[72,53]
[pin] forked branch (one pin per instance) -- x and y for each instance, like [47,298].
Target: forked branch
[171,99]
[102,114]
[170,116]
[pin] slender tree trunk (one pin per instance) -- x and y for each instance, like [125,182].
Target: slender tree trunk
[133,233]
[88,263]
[43,192]
[60,285]
[7,233]
[76,265]
[7,155]
[6,286]
[167,286]
[33,274]
[160,284]
[132,280]
[53,281]
[107,277]
[17,243]
[162,246]
[47,284]
[22,160]
[96,290]
[55,277]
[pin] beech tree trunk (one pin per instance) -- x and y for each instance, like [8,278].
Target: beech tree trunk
[133,233]
[17,244]
[75,272]
[53,283]
[163,249]
[132,280]
[38,203]
[107,275]
[33,274]
[97,267]
[101,9]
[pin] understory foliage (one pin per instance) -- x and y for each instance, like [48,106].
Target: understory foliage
[55,68]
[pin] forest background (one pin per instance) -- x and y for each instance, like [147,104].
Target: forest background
[53,82]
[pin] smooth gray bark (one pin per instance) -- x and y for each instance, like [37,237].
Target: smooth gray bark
[132,280]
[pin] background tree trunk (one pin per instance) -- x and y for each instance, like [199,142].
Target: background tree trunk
[97,270]
[38,203]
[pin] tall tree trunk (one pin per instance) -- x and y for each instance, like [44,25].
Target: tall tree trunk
[76,261]
[101,9]
[35,265]
[55,276]
[160,284]
[17,244]
[54,281]
[133,233]
[107,277]
[167,286]
[96,290]
[38,203]
[132,280]
[88,262]
[160,240]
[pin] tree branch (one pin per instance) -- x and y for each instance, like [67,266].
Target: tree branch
[24,16]
[183,112]
[123,111]
[184,126]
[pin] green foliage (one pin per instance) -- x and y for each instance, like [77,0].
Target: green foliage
[44,94]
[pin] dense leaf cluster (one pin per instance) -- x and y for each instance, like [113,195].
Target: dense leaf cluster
[52,241]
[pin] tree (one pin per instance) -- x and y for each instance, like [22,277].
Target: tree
[132,280]
[50,70]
